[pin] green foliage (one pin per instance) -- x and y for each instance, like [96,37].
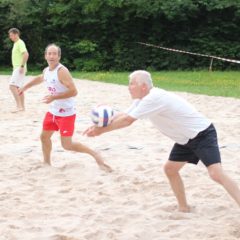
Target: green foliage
[102,34]
[87,56]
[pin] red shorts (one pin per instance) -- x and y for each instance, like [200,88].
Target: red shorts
[55,123]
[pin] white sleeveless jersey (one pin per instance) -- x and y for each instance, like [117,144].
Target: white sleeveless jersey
[61,107]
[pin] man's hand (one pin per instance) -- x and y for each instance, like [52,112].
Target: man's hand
[92,131]
[20,91]
[48,99]
[21,70]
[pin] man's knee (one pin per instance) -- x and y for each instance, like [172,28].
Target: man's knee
[66,144]
[67,147]
[12,87]
[170,169]
[216,175]
[45,137]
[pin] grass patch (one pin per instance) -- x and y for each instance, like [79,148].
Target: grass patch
[226,84]
[8,71]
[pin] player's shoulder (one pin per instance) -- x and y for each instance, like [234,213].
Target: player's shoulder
[63,69]
[20,42]
[45,69]
[156,92]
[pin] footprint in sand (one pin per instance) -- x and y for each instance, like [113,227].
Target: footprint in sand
[63,237]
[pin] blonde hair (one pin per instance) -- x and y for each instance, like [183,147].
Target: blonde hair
[142,77]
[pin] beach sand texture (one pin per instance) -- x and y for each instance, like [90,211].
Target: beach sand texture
[75,200]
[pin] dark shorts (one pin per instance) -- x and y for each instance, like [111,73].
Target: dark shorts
[203,147]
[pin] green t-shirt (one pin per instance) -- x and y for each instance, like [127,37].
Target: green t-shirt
[19,48]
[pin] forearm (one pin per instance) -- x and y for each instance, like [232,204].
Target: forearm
[67,94]
[25,58]
[35,81]
[121,121]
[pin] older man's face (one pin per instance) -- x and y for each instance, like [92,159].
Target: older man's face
[135,89]
[52,56]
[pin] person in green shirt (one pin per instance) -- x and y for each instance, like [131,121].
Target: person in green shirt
[19,62]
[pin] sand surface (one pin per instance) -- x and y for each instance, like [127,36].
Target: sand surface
[75,200]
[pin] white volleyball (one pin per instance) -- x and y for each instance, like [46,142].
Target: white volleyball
[102,115]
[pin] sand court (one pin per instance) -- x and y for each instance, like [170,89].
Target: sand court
[75,200]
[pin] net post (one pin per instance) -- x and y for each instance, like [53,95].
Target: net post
[210,66]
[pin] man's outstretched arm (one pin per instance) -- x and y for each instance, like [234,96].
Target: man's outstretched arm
[121,121]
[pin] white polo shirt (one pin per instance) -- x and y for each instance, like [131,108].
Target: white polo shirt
[171,114]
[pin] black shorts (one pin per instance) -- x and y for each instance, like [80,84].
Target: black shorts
[203,147]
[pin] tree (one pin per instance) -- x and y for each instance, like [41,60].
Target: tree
[102,34]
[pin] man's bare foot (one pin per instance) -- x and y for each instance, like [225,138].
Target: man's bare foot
[18,110]
[186,209]
[101,163]
[105,167]
[46,163]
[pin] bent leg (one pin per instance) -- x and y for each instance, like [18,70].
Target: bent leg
[46,145]
[172,169]
[217,174]
[68,144]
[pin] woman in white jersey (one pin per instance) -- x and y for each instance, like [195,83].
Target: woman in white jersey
[61,115]
[194,136]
